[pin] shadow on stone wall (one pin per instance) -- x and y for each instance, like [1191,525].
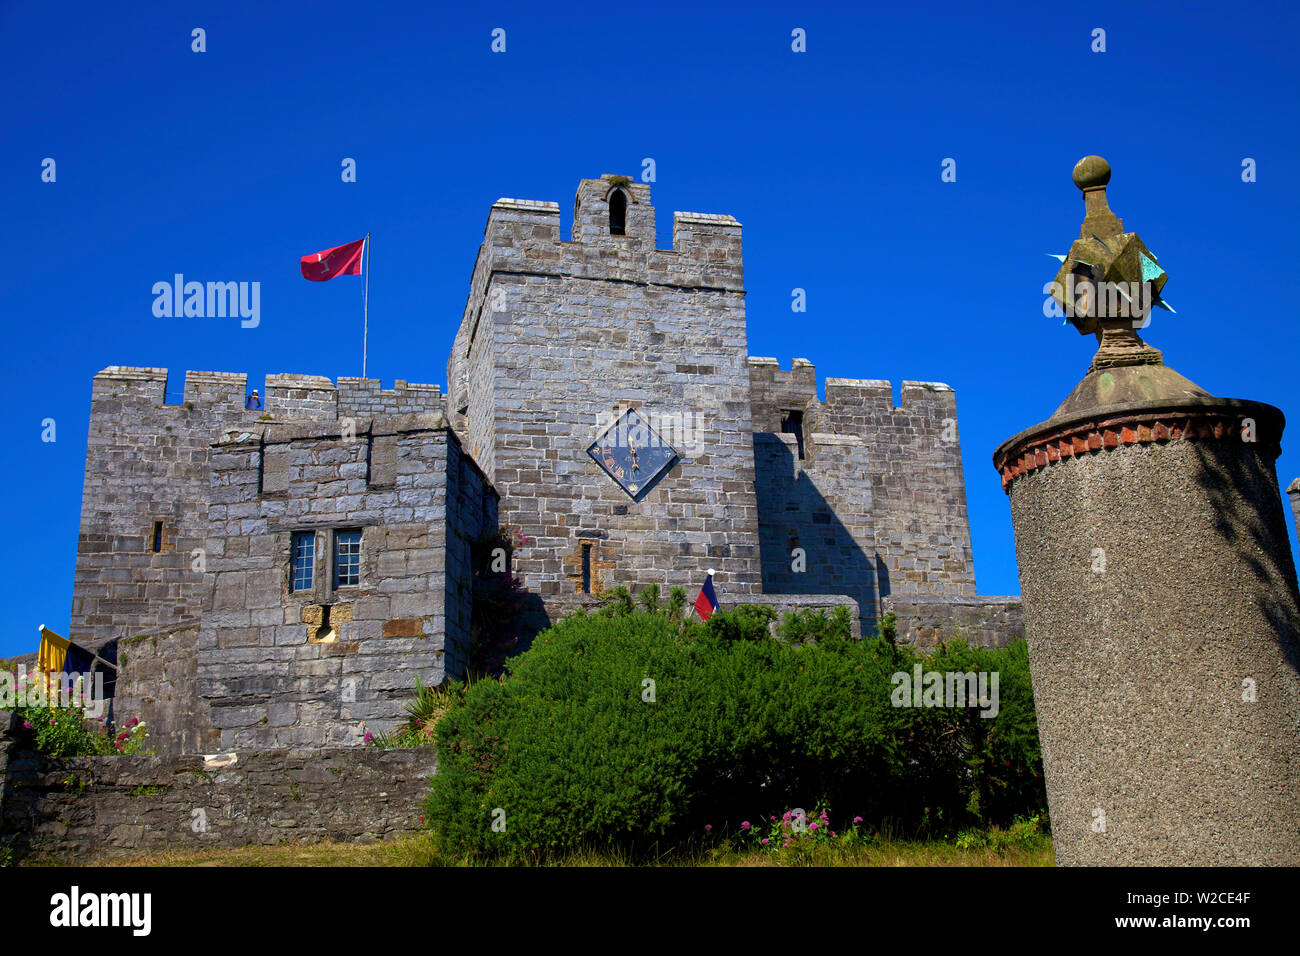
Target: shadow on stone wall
[533,619]
[1250,519]
[794,513]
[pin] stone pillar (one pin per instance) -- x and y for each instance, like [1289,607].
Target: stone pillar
[1160,598]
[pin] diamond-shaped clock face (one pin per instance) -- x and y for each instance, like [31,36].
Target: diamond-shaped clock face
[633,454]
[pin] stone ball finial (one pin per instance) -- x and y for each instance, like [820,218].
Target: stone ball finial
[1091,172]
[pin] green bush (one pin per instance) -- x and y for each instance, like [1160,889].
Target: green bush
[60,728]
[749,622]
[63,732]
[629,730]
[1001,756]
[423,712]
[804,625]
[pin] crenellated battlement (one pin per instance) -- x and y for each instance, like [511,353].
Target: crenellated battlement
[148,461]
[288,396]
[524,270]
[613,237]
[776,392]
[364,397]
[521,228]
[905,462]
[847,393]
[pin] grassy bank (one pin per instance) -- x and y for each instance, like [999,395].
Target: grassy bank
[421,851]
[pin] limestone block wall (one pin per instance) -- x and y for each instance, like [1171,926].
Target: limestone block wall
[981,620]
[365,398]
[774,391]
[324,665]
[557,334]
[918,488]
[311,398]
[147,461]
[157,683]
[885,483]
[73,810]
[815,518]
[591,212]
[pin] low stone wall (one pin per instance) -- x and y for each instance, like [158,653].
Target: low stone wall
[561,608]
[983,620]
[78,808]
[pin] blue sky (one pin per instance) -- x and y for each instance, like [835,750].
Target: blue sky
[225,165]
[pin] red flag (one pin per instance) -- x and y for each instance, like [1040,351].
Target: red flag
[339,261]
[707,603]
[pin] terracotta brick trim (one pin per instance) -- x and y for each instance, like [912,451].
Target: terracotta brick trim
[1086,437]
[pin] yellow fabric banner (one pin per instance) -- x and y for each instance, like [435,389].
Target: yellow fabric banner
[53,650]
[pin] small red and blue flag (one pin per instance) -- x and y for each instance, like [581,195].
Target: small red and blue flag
[707,603]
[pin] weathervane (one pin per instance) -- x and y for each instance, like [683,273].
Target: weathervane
[1109,280]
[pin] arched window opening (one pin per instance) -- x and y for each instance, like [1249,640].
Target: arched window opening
[618,213]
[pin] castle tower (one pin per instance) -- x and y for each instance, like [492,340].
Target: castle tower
[1160,595]
[144,499]
[602,385]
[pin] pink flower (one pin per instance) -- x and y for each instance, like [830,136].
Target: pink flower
[27,725]
[708,827]
[786,815]
[812,826]
[368,738]
[765,841]
[745,825]
[857,819]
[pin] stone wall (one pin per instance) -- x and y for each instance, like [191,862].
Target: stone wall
[982,620]
[918,488]
[147,461]
[364,398]
[322,665]
[815,518]
[76,809]
[775,392]
[557,335]
[157,683]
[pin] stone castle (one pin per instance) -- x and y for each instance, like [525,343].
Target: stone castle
[281,576]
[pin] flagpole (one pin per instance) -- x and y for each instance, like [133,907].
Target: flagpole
[365,308]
